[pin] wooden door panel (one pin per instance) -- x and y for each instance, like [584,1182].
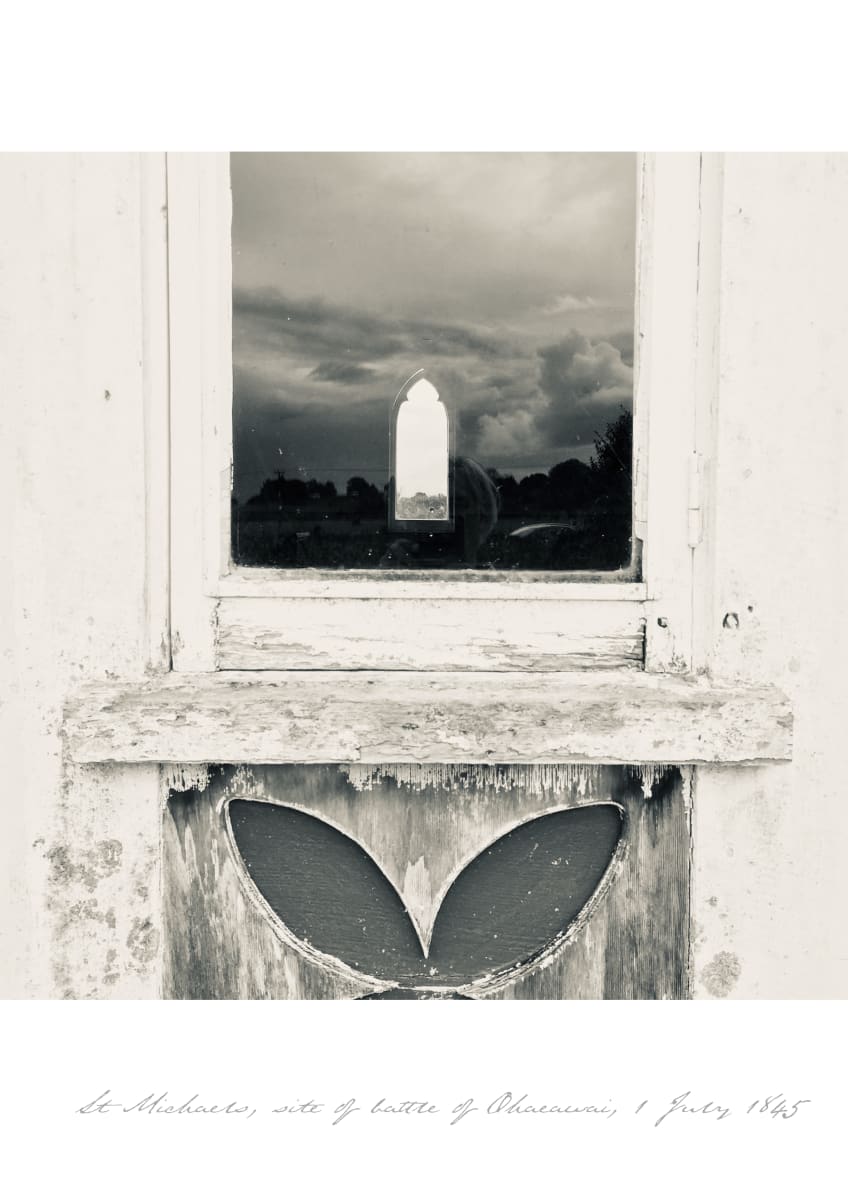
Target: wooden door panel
[488,881]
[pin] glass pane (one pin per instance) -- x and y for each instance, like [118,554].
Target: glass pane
[433,360]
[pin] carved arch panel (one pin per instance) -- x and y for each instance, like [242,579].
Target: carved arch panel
[416,881]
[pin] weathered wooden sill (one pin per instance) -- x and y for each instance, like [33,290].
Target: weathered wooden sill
[400,716]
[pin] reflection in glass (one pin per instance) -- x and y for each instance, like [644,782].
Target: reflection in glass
[420,484]
[510,279]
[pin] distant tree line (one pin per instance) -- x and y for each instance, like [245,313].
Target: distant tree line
[575,486]
[572,486]
[299,492]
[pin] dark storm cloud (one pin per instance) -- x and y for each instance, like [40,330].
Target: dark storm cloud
[586,384]
[540,405]
[318,330]
[352,272]
[253,392]
[312,328]
[477,236]
[458,339]
[623,342]
[507,383]
[335,372]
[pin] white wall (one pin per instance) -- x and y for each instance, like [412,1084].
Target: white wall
[771,891]
[80,851]
[83,351]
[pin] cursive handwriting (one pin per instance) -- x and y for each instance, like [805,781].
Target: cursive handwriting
[159,1105]
[679,1105]
[676,1111]
[507,1103]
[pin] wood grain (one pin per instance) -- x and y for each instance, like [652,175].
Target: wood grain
[428,634]
[437,717]
[218,943]
[223,940]
[313,583]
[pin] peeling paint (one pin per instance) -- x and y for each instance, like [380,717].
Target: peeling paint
[324,716]
[179,777]
[533,779]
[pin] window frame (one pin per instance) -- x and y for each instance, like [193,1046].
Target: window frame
[225,617]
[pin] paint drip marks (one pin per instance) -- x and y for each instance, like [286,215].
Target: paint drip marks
[535,779]
[179,777]
[648,775]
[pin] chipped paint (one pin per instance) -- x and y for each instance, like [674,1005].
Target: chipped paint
[181,777]
[534,779]
[391,716]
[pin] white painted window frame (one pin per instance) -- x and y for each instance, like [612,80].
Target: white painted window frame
[234,618]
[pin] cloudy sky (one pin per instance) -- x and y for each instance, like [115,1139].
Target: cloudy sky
[509,278]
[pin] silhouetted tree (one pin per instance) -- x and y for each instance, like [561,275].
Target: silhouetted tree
[280,490]
[612,469]
[369,498]
[613,457]
[534,492]
[570,484]
[507,489]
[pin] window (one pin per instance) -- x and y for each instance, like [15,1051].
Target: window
[228,615]
[491,297]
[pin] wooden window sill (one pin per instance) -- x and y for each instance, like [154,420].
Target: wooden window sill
[409,716]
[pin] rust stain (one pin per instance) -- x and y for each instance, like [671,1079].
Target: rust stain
[721,974]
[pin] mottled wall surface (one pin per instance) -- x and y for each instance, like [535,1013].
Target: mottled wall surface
[80,903]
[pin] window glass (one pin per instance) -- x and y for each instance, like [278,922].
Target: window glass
[433,360]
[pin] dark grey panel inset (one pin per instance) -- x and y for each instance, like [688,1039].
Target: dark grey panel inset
[326,889]
[513,900]
[523,891]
